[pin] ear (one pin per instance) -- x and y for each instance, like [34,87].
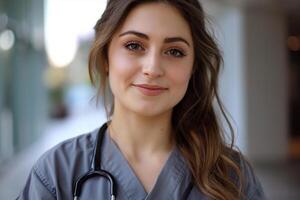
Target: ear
[106,67]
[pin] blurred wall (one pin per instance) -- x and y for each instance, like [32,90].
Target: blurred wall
[23,95]
[253,83]
[267,66]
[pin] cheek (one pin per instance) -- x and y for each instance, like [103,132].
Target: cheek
[180,77]
[180,71]
[119,64]
[180,80]
[121,71]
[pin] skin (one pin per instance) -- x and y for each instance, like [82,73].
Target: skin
[141,52]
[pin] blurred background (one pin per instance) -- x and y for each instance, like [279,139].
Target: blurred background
[46,96]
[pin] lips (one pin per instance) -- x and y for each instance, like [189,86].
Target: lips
[150,90]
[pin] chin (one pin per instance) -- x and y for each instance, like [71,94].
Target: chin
[151,111]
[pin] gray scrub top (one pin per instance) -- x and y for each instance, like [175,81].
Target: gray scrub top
[54,174]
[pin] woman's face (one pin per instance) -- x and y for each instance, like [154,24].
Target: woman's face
[150,60]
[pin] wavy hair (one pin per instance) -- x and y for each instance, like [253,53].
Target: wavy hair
[198,131]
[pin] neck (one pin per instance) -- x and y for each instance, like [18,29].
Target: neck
[138,135]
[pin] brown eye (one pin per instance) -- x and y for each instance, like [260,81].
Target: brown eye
[134,46]
[175,52]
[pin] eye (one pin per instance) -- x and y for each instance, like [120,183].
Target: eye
[134,46]
[176,53]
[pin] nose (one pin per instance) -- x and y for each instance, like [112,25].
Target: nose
[152,65]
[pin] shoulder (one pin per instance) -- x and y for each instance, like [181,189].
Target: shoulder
[70,148]
[66,161]
[251,185]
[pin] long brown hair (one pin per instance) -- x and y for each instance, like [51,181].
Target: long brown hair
[198,131]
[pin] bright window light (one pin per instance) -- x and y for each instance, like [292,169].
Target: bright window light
[7,39]
[65,22]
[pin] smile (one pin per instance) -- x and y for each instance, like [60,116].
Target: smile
[150,90]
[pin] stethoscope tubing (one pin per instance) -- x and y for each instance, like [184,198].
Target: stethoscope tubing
[97,171]
[95,168]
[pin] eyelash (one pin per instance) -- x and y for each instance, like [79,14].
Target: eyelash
[128,45]
[177,51]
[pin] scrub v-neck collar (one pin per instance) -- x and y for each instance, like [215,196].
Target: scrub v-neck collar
[128,184]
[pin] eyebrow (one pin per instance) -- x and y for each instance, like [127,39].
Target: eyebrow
[166,40]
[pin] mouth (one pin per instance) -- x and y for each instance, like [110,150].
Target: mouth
[150,90]
[150,87]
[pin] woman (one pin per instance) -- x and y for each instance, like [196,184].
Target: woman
[163,139]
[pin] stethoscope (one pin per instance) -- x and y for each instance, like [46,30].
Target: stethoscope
[95,170]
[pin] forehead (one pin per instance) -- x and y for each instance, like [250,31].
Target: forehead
[157,20]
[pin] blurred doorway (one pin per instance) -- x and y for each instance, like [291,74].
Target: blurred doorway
[294,84]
